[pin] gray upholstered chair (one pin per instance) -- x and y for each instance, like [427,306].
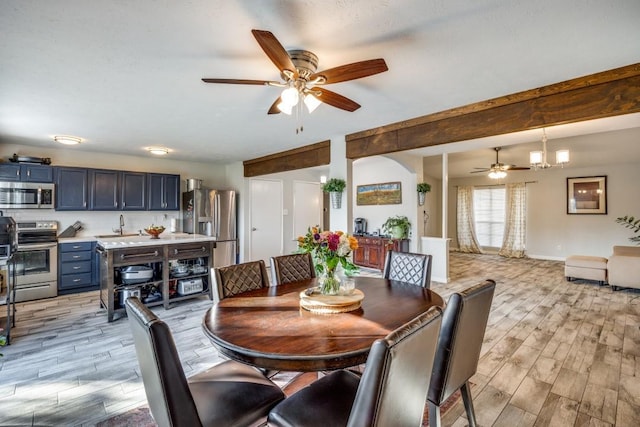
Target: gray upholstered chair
[291,268]
[238,278]
[463,326]
[391,392]
[408,267]
[229,394]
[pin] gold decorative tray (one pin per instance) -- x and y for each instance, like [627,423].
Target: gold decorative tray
[331,304]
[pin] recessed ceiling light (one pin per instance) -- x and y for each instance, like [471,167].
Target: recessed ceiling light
[67,140]
[158,151]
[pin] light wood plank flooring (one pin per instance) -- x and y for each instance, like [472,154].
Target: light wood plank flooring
[555,353]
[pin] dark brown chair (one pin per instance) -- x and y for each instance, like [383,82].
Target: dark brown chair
[408,267]
[291,268]
[229,394]
[463,325]
[238,278]
[391,391]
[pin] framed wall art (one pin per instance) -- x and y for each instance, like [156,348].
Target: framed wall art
[587,195]
[386,193]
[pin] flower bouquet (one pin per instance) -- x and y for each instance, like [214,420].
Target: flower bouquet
[329,250]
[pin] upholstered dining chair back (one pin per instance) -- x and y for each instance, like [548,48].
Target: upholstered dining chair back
[408,267]
[238,278]
[230,393]
[291,268]
[391,392]
[463,326]
[165,384]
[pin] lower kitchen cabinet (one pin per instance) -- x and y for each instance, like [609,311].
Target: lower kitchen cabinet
[77,263]
[372,250]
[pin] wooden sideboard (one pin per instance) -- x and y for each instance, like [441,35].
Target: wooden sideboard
[372,250]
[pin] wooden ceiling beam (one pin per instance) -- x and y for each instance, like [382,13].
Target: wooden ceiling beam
[299,158]
[606,94]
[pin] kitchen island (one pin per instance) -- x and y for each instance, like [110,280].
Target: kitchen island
[161,271]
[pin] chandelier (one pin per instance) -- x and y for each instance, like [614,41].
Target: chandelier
[538,159]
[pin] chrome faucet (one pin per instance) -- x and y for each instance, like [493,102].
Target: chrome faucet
[120,230]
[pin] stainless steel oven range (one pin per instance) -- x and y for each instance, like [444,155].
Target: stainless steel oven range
[36,261]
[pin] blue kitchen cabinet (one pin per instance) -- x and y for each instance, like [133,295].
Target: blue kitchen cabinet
[77,267]
[104,186]
[164,192]
[112,190]
[133,190]
[72,189]
[26,172]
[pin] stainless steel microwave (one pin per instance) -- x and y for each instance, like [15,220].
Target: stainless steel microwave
[26,195]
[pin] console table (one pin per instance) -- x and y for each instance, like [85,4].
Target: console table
[372,250]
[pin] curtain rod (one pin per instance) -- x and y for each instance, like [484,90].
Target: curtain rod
[495,185]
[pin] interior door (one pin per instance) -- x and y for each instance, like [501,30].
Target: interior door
[266,219]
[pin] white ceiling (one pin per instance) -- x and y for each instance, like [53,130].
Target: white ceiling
[124,75]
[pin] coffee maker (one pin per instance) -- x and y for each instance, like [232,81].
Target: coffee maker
[359,226]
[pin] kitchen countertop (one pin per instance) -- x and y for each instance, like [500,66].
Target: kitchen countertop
[138,241]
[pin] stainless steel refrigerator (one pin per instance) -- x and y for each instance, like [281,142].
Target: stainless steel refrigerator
[212,213]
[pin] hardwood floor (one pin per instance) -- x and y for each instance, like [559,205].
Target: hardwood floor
[555,353]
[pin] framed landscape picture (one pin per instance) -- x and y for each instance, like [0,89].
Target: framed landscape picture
[587,195]
[386,193]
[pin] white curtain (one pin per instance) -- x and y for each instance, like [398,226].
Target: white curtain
[467,240]
[515,223]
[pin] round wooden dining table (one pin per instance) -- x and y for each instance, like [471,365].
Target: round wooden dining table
[267,328]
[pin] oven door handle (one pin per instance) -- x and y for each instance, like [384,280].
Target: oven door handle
[36,246]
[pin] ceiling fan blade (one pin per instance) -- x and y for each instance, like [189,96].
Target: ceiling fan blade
[274,50]
[274,107]
[480,171]
[353,71]
[518,168]
[335,99]
[238,81]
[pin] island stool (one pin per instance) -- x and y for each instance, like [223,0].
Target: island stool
[586,267]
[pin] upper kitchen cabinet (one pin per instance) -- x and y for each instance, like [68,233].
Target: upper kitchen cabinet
[133,191]
[103,188]
[111,190]
[25,172]
[164,192]
[71,189]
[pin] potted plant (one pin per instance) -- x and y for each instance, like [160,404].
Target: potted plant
[632,223]
[397,227]
[423,188]
[335,187]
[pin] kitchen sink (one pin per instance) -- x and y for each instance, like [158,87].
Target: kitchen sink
[108,236]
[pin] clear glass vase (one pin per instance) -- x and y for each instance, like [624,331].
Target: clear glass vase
[329,282]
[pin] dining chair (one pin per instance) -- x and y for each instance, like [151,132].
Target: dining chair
[291,268]
[408,267]
[463,326]
[391,391]
[235,279]
[229,394]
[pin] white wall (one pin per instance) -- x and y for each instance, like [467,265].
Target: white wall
[379,169]
[288,178]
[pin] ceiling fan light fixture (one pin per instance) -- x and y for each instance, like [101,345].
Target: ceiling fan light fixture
[285,108]
[497,174]
[290,96]
[67,140]
[311,102]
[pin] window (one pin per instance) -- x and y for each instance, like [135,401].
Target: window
[489,212]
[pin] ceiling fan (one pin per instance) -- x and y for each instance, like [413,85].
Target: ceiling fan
[499,170]
[302,81]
